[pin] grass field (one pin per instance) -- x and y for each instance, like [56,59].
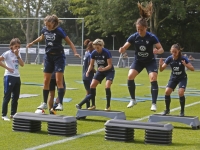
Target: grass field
[90,132]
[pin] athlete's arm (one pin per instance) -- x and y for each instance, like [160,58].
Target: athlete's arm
[16,52]
[4,66]
[188,65]
[158,49]
[69,42]
[90,67]
[162,65]
[124,48]
[39,39]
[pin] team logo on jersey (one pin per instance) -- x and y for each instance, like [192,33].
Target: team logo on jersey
[100,62]
[179,63]
[50,43]
[50,36]
[103,57]
[147,42]
[143,54]
[142,48]
[176,68]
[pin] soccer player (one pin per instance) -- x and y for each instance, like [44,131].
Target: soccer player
[12,82]
[54,59]
[178,76]
[87,80]
[105,70]
[146,45]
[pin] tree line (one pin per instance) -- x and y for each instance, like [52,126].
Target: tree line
[172,21]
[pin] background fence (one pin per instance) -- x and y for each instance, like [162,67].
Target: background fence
[36,56]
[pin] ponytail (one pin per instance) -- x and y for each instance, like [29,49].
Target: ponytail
[145,14]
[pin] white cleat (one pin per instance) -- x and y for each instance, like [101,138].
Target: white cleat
[5,118]
[132,103]
[42,106]
[153,107]
[59,107]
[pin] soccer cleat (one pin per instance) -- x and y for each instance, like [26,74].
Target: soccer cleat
[166,112]
[42,106]
[55,105]
[52,111]
[91,107]
[78,106]
[153,107]
[59,107]
[5,118]
[182,114]
[107,108]
[132,103]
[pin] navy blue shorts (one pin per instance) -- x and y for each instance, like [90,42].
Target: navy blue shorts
[173,83]
[99,76]
[150,66]
[54,63]
[52,85]
[87,84]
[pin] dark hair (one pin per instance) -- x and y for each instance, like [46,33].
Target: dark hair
[89,44]
[145,14]
[54,19]
[179,48]
[14,41]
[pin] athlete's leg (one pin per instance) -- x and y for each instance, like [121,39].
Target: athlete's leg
[47,79]
[87,97]
[15,95]
[154,86]
[93,92]
[171,85]
[7,95]
[181,91]
[109,80]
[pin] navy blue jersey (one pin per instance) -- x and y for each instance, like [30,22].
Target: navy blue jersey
[53,40]
[86,63]
[101,59]
[143,46]
[178,69]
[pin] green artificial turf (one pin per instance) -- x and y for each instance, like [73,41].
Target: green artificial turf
[184,137]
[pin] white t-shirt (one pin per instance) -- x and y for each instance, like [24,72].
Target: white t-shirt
[12,62]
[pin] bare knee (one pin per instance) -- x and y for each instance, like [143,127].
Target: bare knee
[153,76]
[168,91]
[181,92]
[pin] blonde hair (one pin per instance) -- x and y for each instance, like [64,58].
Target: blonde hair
[145,14]
[98,42]
[53,19]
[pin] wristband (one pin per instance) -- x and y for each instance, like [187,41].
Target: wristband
[18,57]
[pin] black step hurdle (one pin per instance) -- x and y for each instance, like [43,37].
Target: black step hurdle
[192,121]
[123,130]
[81,113]
[57,124]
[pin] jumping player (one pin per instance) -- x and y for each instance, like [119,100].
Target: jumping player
[12,82]
[178,76]
[54,59]
[144,43]
[87,80]
[105,69]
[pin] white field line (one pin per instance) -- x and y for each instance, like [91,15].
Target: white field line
[94,131]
